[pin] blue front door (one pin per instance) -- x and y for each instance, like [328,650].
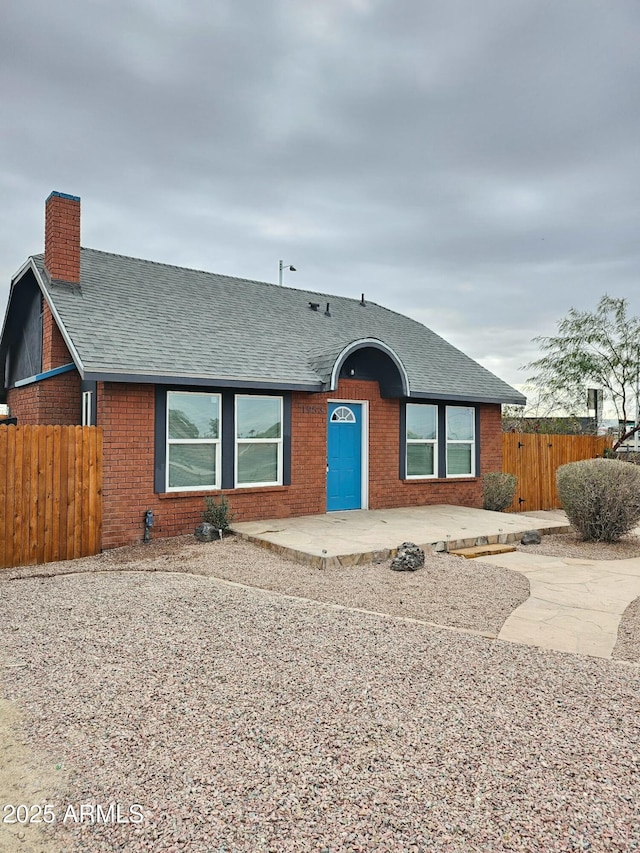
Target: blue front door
[344,456]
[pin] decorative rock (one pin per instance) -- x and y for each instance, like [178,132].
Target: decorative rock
[531,537]
[206,532]
[408,559]
[440,546]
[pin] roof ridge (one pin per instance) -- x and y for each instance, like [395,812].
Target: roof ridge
[224,275]
[285,287]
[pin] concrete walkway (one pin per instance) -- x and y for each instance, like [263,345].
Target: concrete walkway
[361,536]
[574,605]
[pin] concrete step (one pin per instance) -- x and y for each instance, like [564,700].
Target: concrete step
[482,550]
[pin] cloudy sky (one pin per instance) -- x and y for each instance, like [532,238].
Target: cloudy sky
[475,165]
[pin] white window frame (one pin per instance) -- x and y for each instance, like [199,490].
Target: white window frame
[343,420]
[471,442]
[432,441]
[277,441]
[87,405]
[173,441]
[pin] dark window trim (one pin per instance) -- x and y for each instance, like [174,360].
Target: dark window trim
[160,466]
[286,439]
[442,437]
[477,438]
[403,440]
[442,441]
[228,438]
[228,433]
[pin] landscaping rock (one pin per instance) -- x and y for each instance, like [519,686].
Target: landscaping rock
[531,537]
[206,532]
[409,558]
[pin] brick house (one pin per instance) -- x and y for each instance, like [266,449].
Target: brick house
[287,401]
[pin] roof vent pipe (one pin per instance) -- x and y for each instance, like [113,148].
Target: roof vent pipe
[362,302]
[327,313]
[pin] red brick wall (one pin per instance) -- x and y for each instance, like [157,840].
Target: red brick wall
[126,412]
[51,401]
[62,238]
[54,350]
[491,438]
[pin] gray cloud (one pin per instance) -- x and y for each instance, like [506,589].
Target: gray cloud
[472,165]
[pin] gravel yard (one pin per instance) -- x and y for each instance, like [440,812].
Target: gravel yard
[628,645]
[242,720]
[570,545]
[448,591]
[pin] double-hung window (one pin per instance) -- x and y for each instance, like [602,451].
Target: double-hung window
[461,441]
[258,440]
[422,440]
[193,441]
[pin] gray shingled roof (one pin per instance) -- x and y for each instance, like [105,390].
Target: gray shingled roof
[136,318]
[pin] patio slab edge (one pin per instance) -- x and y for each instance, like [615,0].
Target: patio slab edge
[379,555]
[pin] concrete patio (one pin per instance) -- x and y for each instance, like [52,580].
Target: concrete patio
[361,536]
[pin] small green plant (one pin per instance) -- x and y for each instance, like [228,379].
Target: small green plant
[498,490]
[601,497]
[217,513]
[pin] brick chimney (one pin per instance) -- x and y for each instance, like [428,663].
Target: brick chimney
[62,237]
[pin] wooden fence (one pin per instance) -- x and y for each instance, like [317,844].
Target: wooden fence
[50,493]
[534,458]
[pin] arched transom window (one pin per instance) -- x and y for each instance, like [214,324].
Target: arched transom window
[343,414]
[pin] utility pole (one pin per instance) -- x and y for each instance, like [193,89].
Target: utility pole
[636,440]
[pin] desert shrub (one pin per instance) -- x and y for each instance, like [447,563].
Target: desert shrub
[217,514]
[498,490]
[601,497]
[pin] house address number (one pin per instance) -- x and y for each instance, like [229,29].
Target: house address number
[312,410]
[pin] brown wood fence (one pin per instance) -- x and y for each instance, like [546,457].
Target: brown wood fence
[50,493]
[534,458]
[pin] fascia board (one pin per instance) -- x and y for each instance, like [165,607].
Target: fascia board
[516,400]
[63,331]
[203,381]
